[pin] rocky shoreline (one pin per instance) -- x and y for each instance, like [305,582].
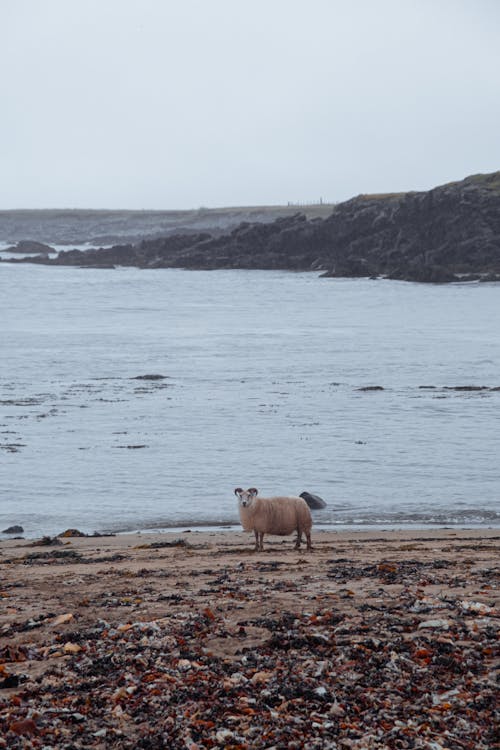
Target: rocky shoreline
[373,640]
[448,234]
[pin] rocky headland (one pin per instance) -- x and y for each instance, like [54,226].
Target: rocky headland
[450,233]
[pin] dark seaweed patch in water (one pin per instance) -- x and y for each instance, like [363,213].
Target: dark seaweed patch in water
[150,377]
[466,388]
[21,402]
[12,447]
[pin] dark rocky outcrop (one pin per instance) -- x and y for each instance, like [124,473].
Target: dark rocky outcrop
[450,233]
[446,234]
[315,502]
[30,246]
[146,254]
[150,377]
[13,530]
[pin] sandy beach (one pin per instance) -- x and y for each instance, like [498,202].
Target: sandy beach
[193,640]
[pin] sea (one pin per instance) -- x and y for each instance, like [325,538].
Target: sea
[139,399]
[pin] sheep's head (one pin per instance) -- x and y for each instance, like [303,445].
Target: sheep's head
[246,496]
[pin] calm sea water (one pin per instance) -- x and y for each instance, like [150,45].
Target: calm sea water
[263,372]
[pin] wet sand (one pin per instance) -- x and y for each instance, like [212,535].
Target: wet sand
[193,640]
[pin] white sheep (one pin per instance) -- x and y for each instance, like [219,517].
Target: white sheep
[274,515]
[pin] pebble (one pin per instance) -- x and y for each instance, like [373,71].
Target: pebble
[224,735]
[437,624]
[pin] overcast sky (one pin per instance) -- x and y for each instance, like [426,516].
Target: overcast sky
[187,103]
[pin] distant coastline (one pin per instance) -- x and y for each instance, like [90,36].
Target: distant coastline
[448,234]
[96,227]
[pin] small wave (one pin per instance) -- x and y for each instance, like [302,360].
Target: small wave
[173,524]
[472,516]
[321,519]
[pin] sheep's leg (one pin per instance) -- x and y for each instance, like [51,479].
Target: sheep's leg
[259,540]
[298,541]
[308,537]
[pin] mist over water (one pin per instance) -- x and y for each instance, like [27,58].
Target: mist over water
[262,377]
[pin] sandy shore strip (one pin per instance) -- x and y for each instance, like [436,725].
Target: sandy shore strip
[193,640]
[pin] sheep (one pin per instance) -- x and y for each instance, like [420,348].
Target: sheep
[274,515]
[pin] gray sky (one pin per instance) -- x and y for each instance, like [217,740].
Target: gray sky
[187,103]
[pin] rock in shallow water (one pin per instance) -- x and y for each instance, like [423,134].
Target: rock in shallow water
[315,502]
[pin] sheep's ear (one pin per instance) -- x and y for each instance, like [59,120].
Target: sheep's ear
[253,492]
[238,491]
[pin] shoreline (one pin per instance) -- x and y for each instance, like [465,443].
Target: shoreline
[376,639]
[209,528]
[323,243]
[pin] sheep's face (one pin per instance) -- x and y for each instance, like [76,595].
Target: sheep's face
[246,496]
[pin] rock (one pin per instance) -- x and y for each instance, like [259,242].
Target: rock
[11,681]
[261,677]
[435,624]
[479,608]
[150,377]
[108,266]
[30,246]
[223,736]
[432,274]
[23,726]
[46,541]
[71,648]
[13,530]
[466,388]
[370,388]
[71,532]
[351,268]
[315,502]
[63,619]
